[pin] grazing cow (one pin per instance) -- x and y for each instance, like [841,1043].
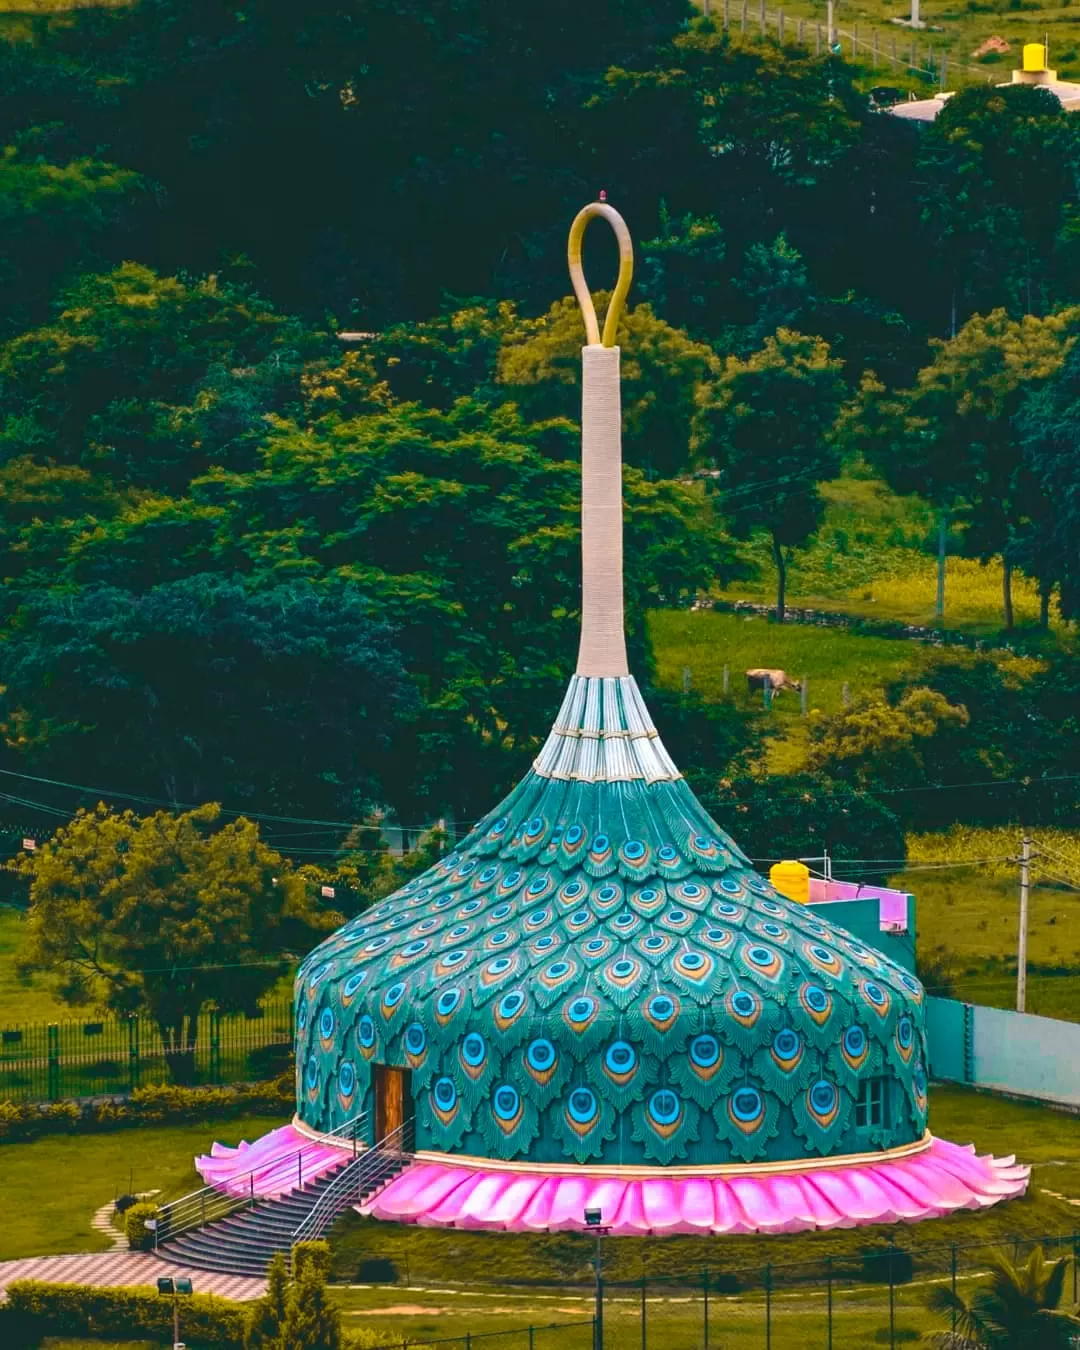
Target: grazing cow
[776,680]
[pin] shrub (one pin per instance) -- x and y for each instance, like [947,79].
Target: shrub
[313,1254]
[78,1310]
[148,1105]
[140,1238]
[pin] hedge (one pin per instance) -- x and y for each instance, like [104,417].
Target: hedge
[156,1105]
[140,1238]
[35,1309]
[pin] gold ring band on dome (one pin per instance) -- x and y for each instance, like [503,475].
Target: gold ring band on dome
[637,1171]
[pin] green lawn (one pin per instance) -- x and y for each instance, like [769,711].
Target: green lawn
[705,641]
[22,1001]
[53,1186]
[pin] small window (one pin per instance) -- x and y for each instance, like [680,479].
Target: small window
[870,1106]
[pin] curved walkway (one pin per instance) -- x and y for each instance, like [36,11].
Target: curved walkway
[124,1268]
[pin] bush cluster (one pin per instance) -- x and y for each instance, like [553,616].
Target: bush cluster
[140,1238]
[156,1105]
[34,1310]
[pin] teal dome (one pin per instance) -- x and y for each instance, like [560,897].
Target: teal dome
[597,974]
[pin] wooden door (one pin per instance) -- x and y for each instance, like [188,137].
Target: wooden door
[393,1099]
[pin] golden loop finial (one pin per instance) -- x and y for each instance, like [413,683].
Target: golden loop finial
[577,273]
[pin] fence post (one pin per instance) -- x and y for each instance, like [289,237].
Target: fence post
[743,22]
[531,1332]
[726,14]
[644,1336]
[845,694]
[854,41]
[804,696]
[892,1296]
[133,1051]
[1075,1241]
[766,694]
[53,1087]
[764,19]
[828,1303]
[953,1272]
[215,1045]
[705,1291]
[779,25]
[799,32]
[687,679]
[768,1307]
[727,678]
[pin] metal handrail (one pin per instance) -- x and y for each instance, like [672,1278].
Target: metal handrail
[209,1203]
[347,1187]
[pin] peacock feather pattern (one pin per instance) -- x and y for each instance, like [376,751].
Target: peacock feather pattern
[598,972]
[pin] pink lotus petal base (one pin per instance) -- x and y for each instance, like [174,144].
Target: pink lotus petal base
[943,1178]
[938,1181]
[273,1165]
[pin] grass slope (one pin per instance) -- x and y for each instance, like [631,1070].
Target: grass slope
[52,1186]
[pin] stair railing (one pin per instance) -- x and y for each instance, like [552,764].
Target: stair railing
[356,1180]
[211,1202]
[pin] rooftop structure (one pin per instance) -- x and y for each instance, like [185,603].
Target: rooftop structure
[1033,70]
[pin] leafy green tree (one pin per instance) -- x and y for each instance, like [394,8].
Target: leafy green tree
[951,437]
[879,744]
[448,108]
[282,698]
[664,373]
[682,274]
[1017,1308]
[266,1316]
[58,220]
[1018,755]
[1048,429]
[771,418]
[997,187]
[805,815]
[150,380]
[163,914]
[312,1322]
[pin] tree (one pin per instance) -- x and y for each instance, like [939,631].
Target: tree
[266,1316]
[805,815]
[682,272]
[312,1322]
[1048,428]
[877,744]
[770,420]
[281,698]
[951,437]
[148,914]
[1018,1308]
[58,220]
[150,380]
[996,177]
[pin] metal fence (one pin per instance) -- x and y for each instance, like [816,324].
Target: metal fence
[875,1294]
[49,1061]
[552,1336]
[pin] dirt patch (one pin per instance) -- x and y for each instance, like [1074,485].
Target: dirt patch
[399,1310]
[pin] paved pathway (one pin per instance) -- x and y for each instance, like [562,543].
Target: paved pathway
[124,1268]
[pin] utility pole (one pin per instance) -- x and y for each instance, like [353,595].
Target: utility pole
[1021,954]
[942,537]
[831,33]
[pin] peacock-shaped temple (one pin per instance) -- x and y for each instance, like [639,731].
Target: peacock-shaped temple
[596,1001]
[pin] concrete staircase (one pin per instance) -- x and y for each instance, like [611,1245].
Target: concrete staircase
[244,1241]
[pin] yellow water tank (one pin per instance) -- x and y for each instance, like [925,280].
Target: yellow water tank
[792,879]
[1034,56]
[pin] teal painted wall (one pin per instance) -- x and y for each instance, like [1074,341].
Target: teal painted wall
[861,918]
[1037,1057]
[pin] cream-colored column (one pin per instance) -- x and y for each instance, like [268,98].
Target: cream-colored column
[603,645]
